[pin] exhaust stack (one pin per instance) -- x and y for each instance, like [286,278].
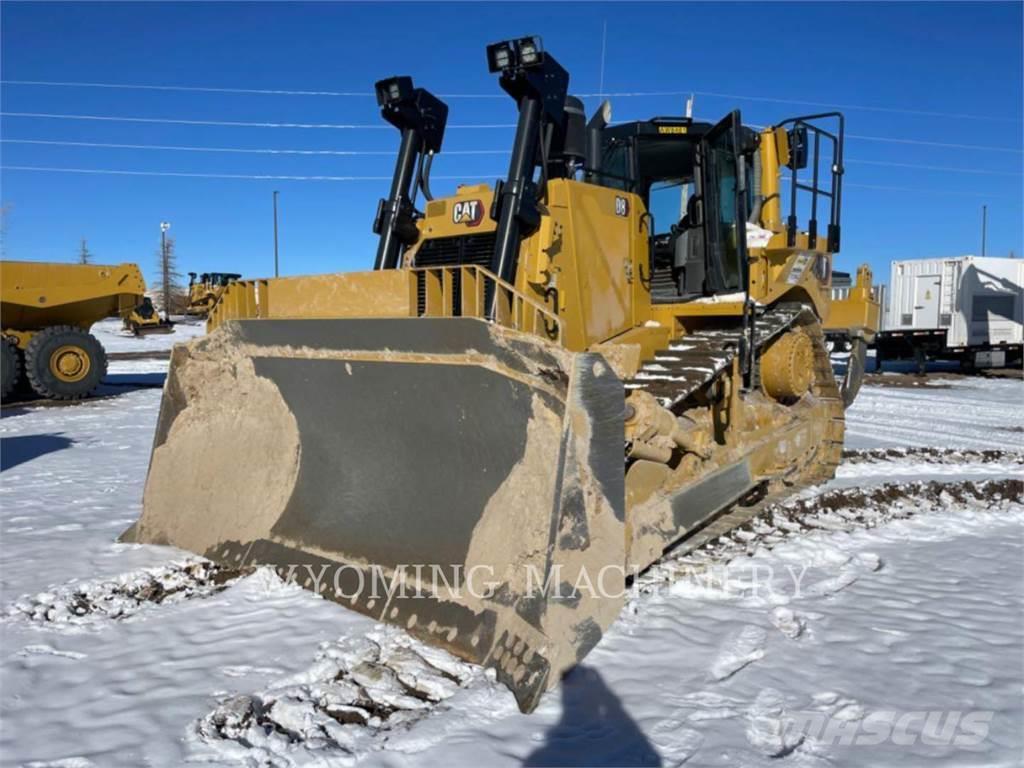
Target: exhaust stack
[595,129]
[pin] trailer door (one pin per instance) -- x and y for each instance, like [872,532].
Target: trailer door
[926,301]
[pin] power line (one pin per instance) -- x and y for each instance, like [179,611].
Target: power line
[254,91]
[118,172]
[244,150]
[944,168]
[187,88]
[261,177]
[354,126]
[390,153]
[180,121]
[862,107]
[934,143]
[599,94]
[230,123]
[265,177]
[933,191]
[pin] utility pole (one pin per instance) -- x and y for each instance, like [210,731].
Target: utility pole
[984,226]
[166,269]
[275,234]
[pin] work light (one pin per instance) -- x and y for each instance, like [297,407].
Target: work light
[529,50]
[500,56]
[393,90]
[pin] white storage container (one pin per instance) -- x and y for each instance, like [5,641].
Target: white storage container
[977,301]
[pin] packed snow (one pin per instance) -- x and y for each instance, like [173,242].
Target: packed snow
[876,621]
[115,339]
[975,413]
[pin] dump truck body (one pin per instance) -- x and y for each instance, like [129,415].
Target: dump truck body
[37,295]
[541,388]
[46,310]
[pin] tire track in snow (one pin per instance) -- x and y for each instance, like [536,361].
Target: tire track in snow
[834,510]
[357,697]
[965,416]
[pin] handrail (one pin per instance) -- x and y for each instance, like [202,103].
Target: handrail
[465,291]
[835,191]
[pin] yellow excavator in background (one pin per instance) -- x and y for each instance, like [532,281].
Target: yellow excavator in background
[547,382]
[205,289]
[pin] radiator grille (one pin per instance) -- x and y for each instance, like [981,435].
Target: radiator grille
[449,252]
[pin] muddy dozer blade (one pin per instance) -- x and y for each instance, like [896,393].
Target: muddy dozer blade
[445,475]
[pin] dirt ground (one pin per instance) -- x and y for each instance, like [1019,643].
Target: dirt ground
[937,379]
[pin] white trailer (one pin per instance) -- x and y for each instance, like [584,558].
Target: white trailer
[968,309]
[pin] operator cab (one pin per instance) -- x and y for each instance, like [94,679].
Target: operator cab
[217,279]
[223,279]
[686,174]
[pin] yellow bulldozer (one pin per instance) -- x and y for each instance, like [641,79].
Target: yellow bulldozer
[541,386]
[46,312]
[204,290]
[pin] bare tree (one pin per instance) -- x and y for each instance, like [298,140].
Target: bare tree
[84,254]
[170,295]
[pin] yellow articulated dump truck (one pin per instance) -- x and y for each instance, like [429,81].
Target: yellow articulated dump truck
[205,289]
[46,312]
[540,387]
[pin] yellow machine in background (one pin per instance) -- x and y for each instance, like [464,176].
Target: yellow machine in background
[143,319]
[548,381]
[46,312]
[204,290]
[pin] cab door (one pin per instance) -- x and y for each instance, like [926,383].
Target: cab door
[724,207]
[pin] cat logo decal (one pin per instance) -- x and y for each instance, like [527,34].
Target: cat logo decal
[468,212]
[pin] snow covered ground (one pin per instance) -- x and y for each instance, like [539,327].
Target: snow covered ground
[971,413]
[884,626]
[115,339]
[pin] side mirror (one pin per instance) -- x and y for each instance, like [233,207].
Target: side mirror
[797,147]
[694,212]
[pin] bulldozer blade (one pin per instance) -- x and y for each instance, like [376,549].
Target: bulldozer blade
[150,330]
[854,376]
[446,475]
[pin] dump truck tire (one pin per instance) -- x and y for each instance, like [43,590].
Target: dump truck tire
[64,363]
[10,368]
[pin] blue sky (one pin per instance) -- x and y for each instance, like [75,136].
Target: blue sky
[961,60]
